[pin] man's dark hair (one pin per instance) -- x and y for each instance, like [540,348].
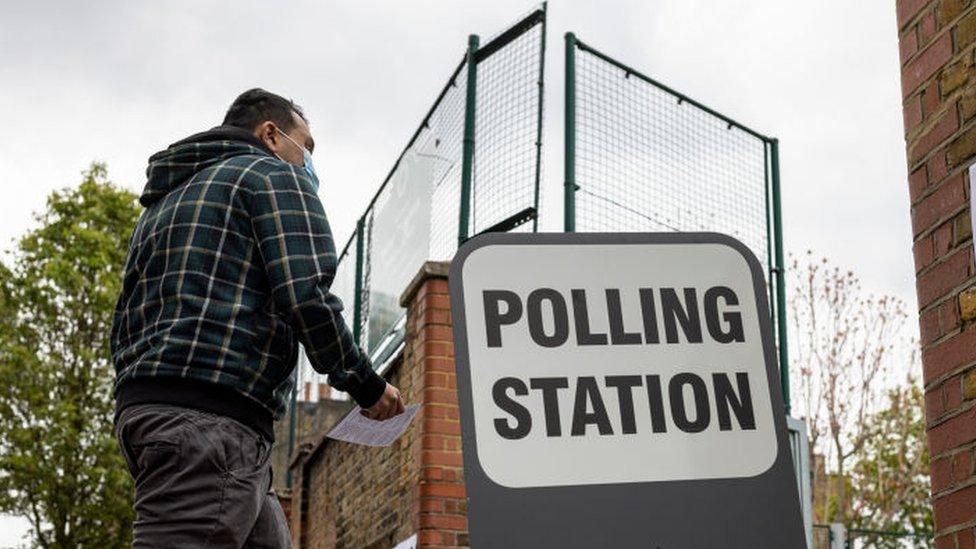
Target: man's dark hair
[256,106]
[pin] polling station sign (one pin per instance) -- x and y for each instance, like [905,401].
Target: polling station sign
[620,390]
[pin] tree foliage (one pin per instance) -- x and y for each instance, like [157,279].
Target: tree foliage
[60,466]
[890,476]
[849,357]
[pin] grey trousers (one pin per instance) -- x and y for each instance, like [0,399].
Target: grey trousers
[201,480]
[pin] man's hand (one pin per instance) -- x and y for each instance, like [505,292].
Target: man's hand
[389,405]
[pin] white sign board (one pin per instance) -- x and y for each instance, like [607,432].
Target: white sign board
[650,355]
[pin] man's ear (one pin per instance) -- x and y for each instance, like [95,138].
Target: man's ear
[267,132]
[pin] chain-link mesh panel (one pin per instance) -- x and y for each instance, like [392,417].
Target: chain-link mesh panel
[399,234]
[648,160]
[821,537]
[859,539]
[414,217]
[506,128]
[440,142]
[864,539]
[366,243]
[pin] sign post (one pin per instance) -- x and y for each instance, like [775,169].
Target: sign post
[620,390]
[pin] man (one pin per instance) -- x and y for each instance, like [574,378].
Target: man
[229,269]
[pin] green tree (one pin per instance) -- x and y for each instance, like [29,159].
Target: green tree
[890,476]
[846,344]
[849,355]
[60,466]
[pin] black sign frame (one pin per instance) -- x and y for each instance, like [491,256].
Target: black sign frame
[754,512]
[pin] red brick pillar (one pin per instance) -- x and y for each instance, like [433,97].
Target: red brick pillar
[442,507]
[936,39]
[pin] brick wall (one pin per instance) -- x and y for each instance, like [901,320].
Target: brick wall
[348,496]
[936,43]
[314,418]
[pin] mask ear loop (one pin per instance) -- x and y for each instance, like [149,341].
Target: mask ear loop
[301,148]
[306,159]
[278,156]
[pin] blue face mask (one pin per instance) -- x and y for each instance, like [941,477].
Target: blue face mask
[307,159]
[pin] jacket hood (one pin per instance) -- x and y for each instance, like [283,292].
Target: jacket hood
[170,168]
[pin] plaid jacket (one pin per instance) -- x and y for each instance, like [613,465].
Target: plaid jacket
[229,268]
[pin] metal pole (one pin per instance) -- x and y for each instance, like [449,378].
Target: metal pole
[538,131]
[569,160]
[770,265]
[467,159]
[357,311]
[784,356]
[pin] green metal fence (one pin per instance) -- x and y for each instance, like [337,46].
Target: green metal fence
[640,156]
[822,537]
[874,539]
[472,166]
[826,537]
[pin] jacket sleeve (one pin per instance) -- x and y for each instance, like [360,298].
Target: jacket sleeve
[295,242]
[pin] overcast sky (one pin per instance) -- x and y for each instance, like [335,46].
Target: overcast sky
[118,82]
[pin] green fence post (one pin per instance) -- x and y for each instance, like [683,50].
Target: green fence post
[467,158]
[538,130]
[784,356]
[569,160]
[357,311]
[770,264]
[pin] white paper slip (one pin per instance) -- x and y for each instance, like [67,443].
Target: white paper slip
[359,429]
